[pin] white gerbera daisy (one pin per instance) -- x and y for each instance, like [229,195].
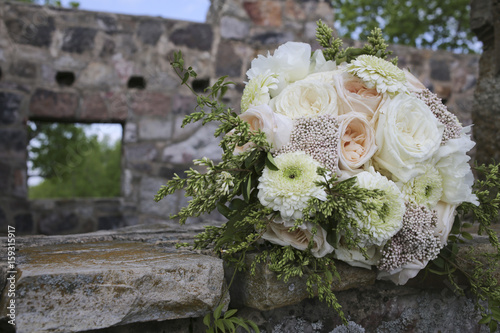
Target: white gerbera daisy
[256,91]
[381,228]
[426,189]
[288,189]
[379,73]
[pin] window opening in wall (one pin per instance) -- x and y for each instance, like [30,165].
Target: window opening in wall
[199,85]
[65,79]
[136,82]
[71,160]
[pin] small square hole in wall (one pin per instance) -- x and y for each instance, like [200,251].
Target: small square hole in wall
[74,160]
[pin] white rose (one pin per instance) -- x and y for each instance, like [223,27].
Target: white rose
[277,127]
[452,163]
[445,219]
[306,98]
[320,64]
[279,233]
[290,62]
[357,141]
[407,134]
[355,258]
[402,274]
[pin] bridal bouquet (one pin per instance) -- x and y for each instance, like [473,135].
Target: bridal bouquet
[335,155]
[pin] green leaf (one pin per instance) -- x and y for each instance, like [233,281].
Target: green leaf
[466,235]
[229,313]
[220,324]
[206,320]
[493,326]
[218,311]
[485,319]
[240,322]
[466,225]
[254,326]
[270,163]
[247,189]
[224,210]
[237,204]
[439,262]
[229,324]
[437,272]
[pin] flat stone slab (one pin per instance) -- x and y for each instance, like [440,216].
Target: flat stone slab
[77,287]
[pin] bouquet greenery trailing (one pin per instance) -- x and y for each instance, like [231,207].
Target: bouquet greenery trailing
[340,155]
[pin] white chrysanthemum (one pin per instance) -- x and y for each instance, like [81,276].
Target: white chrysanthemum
[379,73]
[288,189]
[426,189]
[381,228]
[257,90]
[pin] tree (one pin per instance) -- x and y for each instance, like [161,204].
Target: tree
[436,24]
[72,163]
[54,3]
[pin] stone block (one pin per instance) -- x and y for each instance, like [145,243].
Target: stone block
[32,29]
[273,37]
[80,287]
[51,104]
[94,108]
[118,105]
[110,222]
[130,132]
[107,22]
[154,129]
[196,35]
[13,143]
[97,75]
[150,31]
[228,62]
[183,104]
[78,40]
[233,28]
[60,222]
[23,68]
[146,103]
[5,176]
[263,291]
[145,152]
[264,13]
[24,224]
[440,70]
[10,105]
[149,186]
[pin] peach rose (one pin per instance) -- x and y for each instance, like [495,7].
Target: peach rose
[413,83]
[355,96]
[357,141]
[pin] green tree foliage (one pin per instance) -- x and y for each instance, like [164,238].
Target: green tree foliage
[54,3]
[72,163]
[436,24]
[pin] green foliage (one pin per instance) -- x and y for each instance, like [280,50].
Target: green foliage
[219,322]
[441,24]
[53,3]
[332,47]
[72,163]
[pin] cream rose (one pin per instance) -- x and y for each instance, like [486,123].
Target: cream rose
[306,98]
[402,274]
[407,134]
[355,96]
[277,127]
[355,258]
[357,141]
[279,233]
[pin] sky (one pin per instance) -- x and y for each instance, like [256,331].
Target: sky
[188,10]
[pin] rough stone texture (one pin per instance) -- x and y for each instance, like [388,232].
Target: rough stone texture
[103,51]
[263,291]
[486,116]
[78,284]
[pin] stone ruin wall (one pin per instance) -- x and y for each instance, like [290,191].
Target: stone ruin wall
[40,48]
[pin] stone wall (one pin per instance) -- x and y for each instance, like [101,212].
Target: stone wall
[485,22]
[67,65]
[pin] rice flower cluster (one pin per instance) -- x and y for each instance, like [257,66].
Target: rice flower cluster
[367,119]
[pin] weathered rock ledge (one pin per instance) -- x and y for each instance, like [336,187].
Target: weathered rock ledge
[113,281]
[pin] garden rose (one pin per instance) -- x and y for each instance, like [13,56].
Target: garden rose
[355,96]
[355,258]
[402,274]
[407,134]
[357,141]
[277,127]
[279,233]
[306,98]
[290,62]
[412,82]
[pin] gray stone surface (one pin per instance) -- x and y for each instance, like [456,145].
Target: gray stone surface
[75,286]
